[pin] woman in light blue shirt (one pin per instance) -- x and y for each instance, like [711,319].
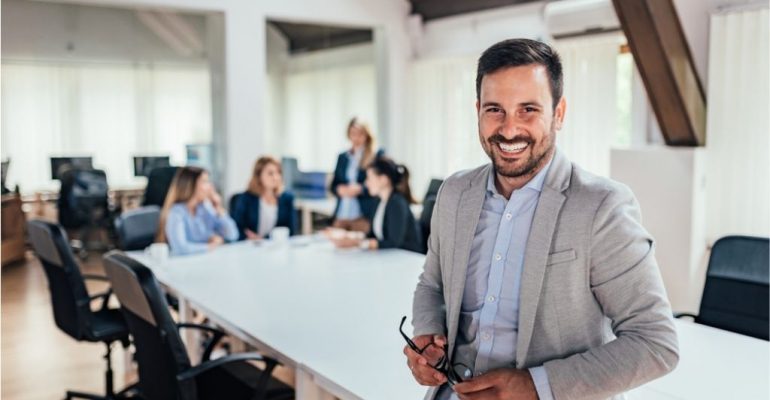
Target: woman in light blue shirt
[193,219]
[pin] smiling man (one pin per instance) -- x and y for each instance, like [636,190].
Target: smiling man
[540,281]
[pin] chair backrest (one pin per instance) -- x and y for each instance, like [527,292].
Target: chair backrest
[158,184]
[69,297]
[160,353]
[433,187]
[82,197]
[137,228]
[736,291]
[424,222]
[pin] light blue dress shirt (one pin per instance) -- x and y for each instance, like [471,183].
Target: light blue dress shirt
[349,206]
[189,234]
[489,316]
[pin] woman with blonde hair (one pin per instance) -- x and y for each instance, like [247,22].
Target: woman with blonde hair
[193,219]
[264,205]
[353,200]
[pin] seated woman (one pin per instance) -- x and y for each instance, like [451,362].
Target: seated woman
[193,219]
[393,225]
[264,205]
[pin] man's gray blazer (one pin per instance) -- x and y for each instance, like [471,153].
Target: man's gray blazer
[593,309]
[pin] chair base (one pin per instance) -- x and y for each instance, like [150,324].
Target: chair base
[127,393]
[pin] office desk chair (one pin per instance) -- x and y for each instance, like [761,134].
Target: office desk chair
[72,302]
[136,229]
[158,184]
[736,291]
[83,206]
[165,370]
[428,202]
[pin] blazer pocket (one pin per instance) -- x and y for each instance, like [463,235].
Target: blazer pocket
[559,257]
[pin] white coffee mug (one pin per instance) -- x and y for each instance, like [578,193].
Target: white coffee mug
[158,251]
[279,234]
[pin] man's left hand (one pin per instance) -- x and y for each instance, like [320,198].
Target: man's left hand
[506,383]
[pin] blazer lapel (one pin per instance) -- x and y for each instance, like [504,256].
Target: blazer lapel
[468,213]
[538,247]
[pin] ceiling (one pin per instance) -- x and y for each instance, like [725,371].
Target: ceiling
[434,9]
[308,37]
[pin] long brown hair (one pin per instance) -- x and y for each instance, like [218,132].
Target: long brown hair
[397,174]
[181,190]
[368,155]
[255,184]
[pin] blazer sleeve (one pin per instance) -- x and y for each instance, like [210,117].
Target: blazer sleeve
[339,174]
[428,307]
[625,280]
[287,212]
[395,223]
[238,213]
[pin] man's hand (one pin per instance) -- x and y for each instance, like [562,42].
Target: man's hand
[505,383]
[215,241]
[423,373]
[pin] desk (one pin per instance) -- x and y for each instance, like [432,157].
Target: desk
[333,315]
[326,207]
[713,364]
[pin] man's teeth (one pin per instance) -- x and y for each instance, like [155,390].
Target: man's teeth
[514,147]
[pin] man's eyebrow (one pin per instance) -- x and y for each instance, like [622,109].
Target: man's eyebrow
[490,104]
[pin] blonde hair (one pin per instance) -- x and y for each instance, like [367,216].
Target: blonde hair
[368,155]
[255,183]
[181,190]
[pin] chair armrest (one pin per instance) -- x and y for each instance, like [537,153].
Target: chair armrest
[216,336]
[684,314]
[105,296]
[193,372]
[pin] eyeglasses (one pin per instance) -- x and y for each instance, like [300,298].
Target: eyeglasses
[437,358]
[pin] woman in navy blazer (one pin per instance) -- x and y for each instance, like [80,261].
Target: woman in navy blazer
[264,205]
[353,200]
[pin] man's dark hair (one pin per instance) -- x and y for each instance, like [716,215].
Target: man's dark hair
[518,52]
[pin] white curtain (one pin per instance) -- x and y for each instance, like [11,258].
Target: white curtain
[442,132]
[108,111]
[738,125]
[590,79]
[317,105]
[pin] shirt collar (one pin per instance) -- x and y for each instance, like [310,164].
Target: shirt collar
[536,183]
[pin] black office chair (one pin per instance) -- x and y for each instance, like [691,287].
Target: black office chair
[72,302]
[736,291]
[137,228]
[165,371]
[428,202]
[157,185]
[83,206]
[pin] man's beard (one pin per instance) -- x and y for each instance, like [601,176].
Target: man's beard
[532,164]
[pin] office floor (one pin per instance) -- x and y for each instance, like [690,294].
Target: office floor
[39,362]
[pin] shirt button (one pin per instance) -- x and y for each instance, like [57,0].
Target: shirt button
[508,216]
[486,336]
[498,257]
[491,298]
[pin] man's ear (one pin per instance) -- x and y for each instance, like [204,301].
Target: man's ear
[558,113]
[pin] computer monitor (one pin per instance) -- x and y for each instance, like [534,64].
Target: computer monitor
[60,164]
[143,165]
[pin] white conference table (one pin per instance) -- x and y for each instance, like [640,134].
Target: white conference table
[331,314]
[334,314]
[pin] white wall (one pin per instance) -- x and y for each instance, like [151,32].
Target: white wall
[35,30]
[669,184]
[244,80]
